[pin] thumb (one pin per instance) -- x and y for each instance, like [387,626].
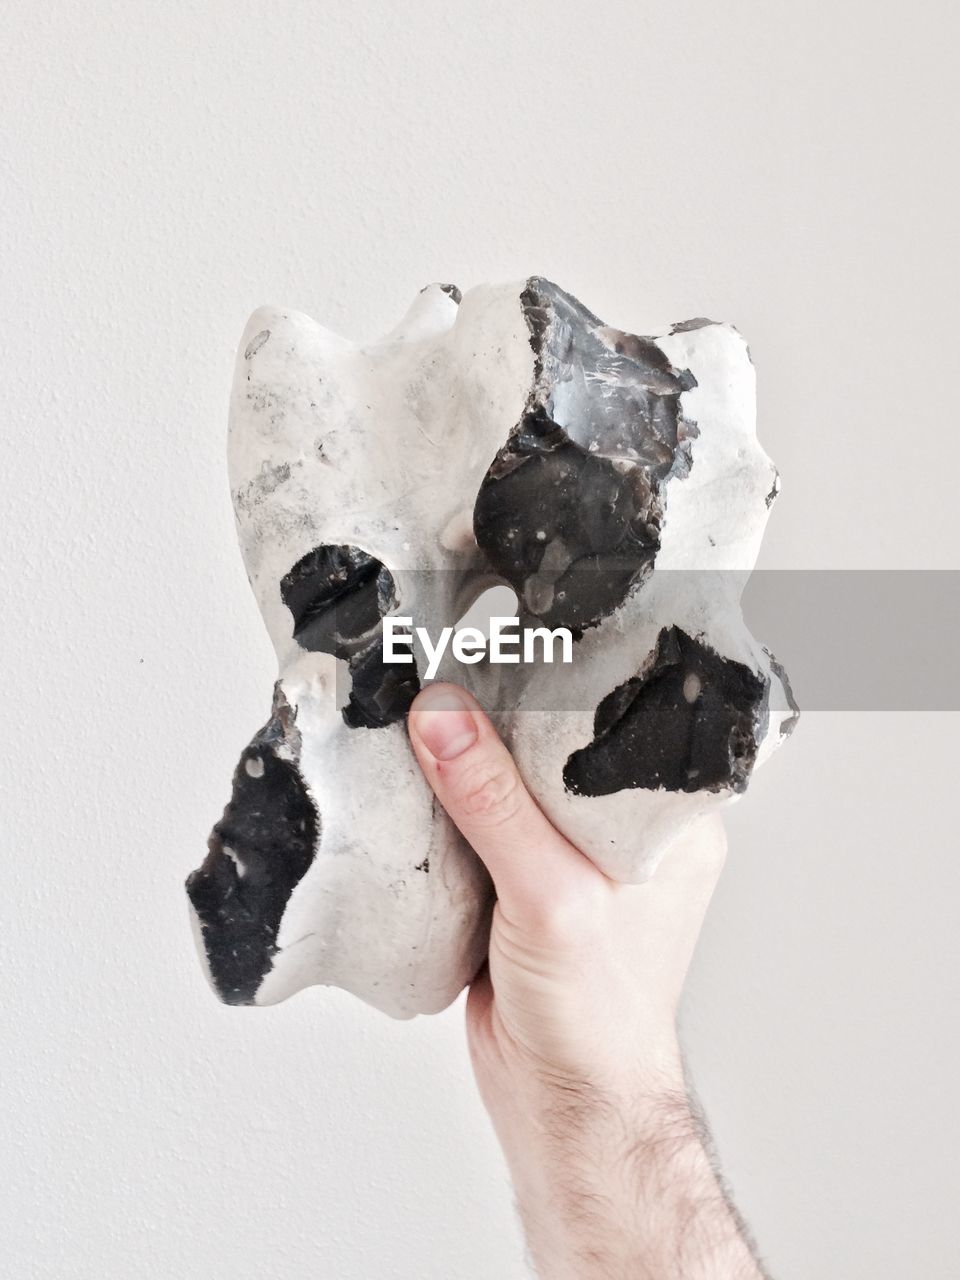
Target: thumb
[477,782]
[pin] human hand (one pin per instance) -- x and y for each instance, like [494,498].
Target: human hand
[572,1024]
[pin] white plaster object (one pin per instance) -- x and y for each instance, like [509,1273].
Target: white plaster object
[614,482]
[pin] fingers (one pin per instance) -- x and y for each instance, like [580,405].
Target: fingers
[475,779]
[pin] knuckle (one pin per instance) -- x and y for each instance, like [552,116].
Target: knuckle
[557,922]
[490,793]
[568,920]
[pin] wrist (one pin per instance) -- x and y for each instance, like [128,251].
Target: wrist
[535,1102]
[553,1123]
[554,1120]
[589,1171]
[629,1077]
[609,1187]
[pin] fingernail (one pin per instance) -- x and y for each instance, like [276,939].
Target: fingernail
[444,722]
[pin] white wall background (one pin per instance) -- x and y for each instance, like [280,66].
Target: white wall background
[165,168]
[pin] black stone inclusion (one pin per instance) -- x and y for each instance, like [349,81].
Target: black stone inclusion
[338,596]
[690,722]
[571,508]
[257,853]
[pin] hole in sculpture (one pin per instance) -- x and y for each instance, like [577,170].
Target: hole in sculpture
[337,597]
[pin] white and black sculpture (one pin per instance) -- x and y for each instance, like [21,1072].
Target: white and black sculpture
[614,482]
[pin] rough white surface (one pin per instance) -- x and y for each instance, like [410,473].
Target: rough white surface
[165,168]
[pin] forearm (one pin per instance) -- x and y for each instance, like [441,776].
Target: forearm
[612,1177]
[621,1188]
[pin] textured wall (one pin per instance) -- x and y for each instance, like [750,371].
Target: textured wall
[164,170]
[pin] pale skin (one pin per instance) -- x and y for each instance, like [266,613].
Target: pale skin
[572,1027]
